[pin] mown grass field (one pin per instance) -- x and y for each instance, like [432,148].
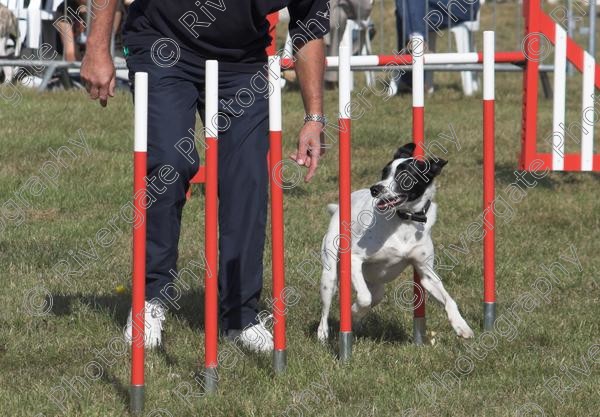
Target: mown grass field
[56,331]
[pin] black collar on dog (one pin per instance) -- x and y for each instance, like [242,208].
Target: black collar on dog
[420,216]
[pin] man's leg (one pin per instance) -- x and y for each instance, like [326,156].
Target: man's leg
[172,101]
[243,197]
[400,24]
[457,11]
[406,13]
[415,18]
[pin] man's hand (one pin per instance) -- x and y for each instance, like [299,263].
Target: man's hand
[97,69]
[310,148]
[310,68]
[98,75]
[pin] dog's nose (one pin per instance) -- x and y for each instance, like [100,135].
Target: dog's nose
[376,190]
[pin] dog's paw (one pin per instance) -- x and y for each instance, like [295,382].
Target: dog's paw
[463,330]
[323,333]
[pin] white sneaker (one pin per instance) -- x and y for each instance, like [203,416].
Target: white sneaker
[256,338]
[154,317]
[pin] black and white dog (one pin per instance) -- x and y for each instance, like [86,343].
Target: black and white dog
[391,229]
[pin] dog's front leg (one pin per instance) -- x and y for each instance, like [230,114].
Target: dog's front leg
[364,298]
[434,286]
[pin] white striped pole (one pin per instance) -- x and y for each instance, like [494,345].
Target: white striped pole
[138,287]
[489,175]
[430,58]
[277,236]
[347,42]
[587,123]
[418,114]
[558,110]
[345,285]
[211,227]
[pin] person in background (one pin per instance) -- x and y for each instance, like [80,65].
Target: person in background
[70,21]
[9,38]
[340,12]
[428,18]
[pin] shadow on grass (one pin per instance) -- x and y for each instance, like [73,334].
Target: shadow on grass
[373,327]
[505,175]
[189,308]
[297,191]
[382,329]
[121,390]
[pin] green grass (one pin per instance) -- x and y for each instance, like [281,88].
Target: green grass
[51,329]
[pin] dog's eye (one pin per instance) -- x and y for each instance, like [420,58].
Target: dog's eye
[386,172]
[399,170]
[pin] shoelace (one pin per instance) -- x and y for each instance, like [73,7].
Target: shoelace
[157,313]
[263,321]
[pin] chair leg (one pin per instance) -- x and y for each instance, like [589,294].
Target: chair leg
[546,86]
[461,38]
[474,75]
[366,50]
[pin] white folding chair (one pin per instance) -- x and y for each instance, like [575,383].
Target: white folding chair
[361,41]
[36,15]
[463,36]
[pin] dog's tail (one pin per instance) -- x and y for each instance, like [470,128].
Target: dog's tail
[332,208]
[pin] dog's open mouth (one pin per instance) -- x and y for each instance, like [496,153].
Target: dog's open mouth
[388,203]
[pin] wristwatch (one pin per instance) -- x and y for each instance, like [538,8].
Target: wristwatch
[316,118]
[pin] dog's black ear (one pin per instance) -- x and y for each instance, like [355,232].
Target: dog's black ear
[435,167]
[406,151]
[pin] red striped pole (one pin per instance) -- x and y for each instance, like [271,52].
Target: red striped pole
[510,57]
[418,113]
[532,11]
[211,227]
[345,210]
[139,244]
[489,269]
[276,171]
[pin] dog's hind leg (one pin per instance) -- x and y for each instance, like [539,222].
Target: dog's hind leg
[434,286]
[328,284]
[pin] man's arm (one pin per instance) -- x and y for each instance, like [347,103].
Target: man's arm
[97,69]
[310,68]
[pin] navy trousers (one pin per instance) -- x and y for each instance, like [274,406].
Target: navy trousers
[176,94]
[426,17]
[423,16]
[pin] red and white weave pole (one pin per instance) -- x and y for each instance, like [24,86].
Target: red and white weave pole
[418,131]
[587,112]
[138,289]
[211,312]
[345,285]
[489,267]
[276,173]
[406,59]
[558,101]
